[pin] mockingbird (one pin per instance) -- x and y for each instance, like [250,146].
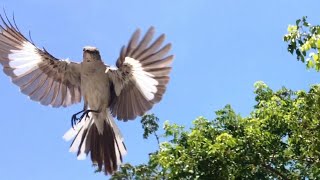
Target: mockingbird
[127,91]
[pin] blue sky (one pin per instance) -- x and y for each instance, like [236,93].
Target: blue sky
[221,48]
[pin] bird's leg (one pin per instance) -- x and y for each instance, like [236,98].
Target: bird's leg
[85,113]
[74,118]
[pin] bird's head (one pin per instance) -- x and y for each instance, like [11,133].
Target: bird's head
[91,54]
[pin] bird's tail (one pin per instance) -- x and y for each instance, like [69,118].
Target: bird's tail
[106,149]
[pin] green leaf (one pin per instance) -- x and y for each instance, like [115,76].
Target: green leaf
[318,43]
[310,64]
[298,22]
[304,53]
[292,28]
[306,24]
[315,57]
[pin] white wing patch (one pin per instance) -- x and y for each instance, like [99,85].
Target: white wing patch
[145,82]
[24,60]
[116,77]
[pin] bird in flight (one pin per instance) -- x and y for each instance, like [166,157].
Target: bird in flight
[126,91]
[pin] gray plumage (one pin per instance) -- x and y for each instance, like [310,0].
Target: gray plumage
[127,91]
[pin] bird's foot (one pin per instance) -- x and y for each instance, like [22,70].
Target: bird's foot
[85,113]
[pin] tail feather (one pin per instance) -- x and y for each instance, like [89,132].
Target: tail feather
[103,150]
[106,149]
[72,132]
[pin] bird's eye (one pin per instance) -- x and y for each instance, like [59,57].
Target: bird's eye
[84,49]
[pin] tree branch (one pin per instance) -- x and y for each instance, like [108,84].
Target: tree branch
[274,171]
[157,137]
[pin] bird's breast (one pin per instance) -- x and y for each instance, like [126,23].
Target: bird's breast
[95,88]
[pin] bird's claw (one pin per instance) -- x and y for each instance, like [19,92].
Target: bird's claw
[74,120]
[85,113]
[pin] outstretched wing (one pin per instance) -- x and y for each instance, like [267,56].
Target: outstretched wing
[39,75]
[141,77]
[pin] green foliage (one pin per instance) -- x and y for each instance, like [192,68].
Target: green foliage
[280,139]
[149,124]
[304,40]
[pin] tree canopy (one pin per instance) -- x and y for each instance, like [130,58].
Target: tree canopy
[280,139]
[304,41]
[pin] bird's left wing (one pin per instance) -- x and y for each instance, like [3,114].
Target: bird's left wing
[39,75]
[141,77]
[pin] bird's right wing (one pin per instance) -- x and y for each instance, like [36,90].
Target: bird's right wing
[39,75]
[141,77]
